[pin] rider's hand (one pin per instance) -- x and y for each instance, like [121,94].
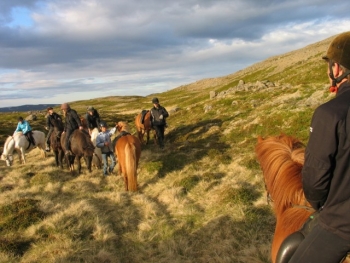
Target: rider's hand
[81,127]
[161,117]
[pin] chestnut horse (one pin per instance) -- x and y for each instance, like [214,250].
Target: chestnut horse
[281,159]
[55,144]
[81,146]
[128,151]
[143,126]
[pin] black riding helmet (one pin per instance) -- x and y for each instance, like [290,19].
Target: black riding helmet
[103,124]
[155,100]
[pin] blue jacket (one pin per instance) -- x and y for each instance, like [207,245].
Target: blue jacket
[23,127]
[103,137]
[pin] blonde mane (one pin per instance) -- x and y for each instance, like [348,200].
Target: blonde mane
[123,126]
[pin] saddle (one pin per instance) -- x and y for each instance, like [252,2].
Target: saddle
[291,243]
[143,114]
[122,133]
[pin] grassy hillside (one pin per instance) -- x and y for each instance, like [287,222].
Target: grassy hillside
[201,199]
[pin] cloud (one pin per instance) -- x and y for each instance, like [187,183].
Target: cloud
[141,47]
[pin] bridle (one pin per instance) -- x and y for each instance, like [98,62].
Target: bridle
[270,201]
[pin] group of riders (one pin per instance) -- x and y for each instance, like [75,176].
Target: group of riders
[103,140]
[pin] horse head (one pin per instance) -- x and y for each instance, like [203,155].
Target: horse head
[122,126]
[8,149]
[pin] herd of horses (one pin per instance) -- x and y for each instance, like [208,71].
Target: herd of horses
[281,159]
[83,145]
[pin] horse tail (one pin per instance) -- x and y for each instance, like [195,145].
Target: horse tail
[130,166]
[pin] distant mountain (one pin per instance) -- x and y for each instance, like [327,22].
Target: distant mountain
[28,107]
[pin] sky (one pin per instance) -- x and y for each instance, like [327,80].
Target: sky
[56,51]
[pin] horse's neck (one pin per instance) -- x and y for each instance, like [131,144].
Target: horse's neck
[94,134]
[9,145]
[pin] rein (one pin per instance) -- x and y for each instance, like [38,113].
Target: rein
[270,201]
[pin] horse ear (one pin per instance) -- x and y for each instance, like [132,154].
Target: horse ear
[260,139]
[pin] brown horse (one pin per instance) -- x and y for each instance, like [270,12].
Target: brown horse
[81,146]
[128,150]
[143,127]
[281,159]
[97,158]
[55,144]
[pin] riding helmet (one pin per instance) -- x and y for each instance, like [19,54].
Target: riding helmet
[339,50]
[90,108]
[155,100]
[20,118]
[65,106]
[103,124]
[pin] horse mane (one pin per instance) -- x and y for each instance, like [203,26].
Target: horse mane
[7,142]
[281,159]
[123,126]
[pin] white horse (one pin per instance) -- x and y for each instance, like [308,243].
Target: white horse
[97,158]
[20,143]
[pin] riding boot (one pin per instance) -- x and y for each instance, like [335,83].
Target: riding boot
[47,147]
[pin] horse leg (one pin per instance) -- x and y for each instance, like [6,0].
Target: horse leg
[56,157]
[79,165]
[147,133]
[22,155]
[126,182]
[60,158]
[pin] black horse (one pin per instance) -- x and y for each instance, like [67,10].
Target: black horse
[55,144]
[81,146]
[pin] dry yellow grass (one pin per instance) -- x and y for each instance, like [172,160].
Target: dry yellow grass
[201,199]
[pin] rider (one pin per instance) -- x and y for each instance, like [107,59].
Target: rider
[24,127]
[52,120]
[326,171]
[158,120]
[72,123]
[92,118]
[103,141]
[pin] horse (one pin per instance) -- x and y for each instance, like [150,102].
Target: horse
[97,158]
[84,123]
[20,143]
[281,159]
[128,151]
[55,144]
[144,126]
[81,146]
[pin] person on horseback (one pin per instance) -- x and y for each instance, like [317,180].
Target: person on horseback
[103,141]
[326,171]
[72,123]
[24,127]
[92,118]
[158,120]
[52,120]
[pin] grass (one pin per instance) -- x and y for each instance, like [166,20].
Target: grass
[201,199]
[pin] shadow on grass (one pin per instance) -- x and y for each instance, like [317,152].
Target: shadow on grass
[186,145]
